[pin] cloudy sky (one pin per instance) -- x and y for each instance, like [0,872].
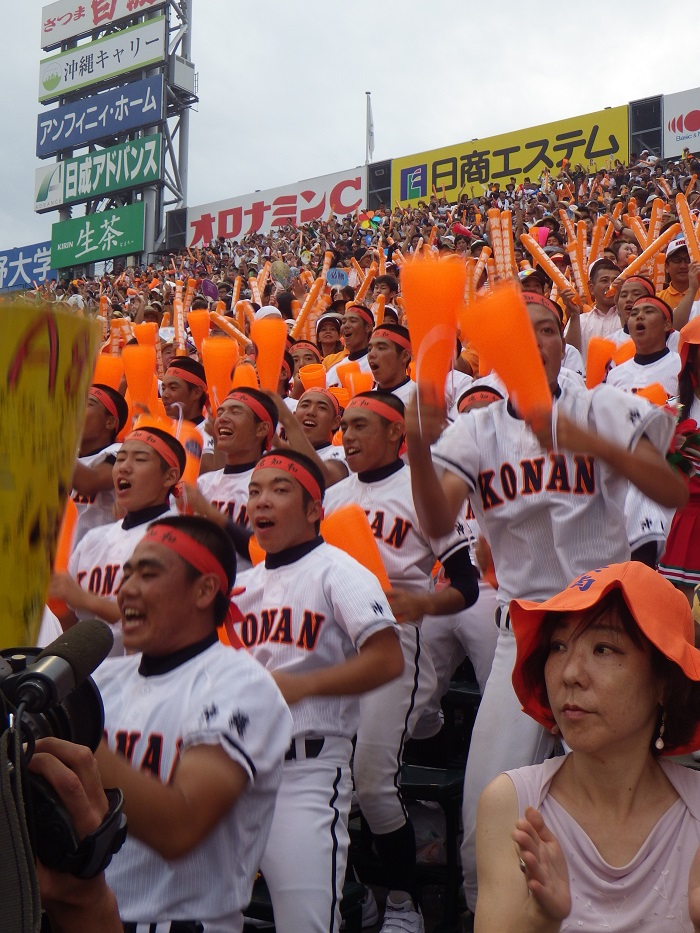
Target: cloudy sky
[282,85]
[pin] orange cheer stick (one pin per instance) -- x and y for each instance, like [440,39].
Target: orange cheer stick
[189,296]
[109,370]
[539,255]
[313,376]
[219,356]
[638,264]
[500,329]
[508,245]
[309,302]
[270,337]
[343,370]
[599,228]
[378,310]
[264,275]
[636,225]
[688,228]
[359,382]
[327,260]
[228,327]
[341,394]
[179,321]
[64,547]
[236,294]
[659,272]
[105,314]
[369,278]
[655,220]
[244,312]
[139,369]
[245,377]
[199,323]
[433,291]
[494,216]
[623,352]
[348,529]
[254,290]
[600,354]
[654,393]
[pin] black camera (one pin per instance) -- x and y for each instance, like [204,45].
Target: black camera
[49,693]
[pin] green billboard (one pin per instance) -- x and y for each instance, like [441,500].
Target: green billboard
[104,235]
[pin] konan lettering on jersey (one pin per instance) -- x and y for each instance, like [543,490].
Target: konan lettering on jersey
[538,475]
[277,625]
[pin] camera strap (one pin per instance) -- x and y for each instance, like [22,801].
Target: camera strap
[19,888]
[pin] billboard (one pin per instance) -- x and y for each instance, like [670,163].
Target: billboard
[313,199]
[102,116]
[69,19]
[104,235]
[594,140]
[104,59]
[26,266]
[128,165]
[681,123]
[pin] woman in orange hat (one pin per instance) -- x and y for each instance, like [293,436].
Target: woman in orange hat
[606,836]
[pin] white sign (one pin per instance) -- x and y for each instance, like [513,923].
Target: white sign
[95,62]
[311,200]
[69,19]
[681,123]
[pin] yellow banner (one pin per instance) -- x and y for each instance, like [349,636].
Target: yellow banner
[46,363]
[594,140]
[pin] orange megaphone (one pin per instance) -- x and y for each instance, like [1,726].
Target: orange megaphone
[341,394]
[219,356]
[199,327]
[360,382]
[64,546]
[313,376]
[654,393]
[139,368]
[190,438]
[146,333]
[245,377]
[600,353]
[624,352]
[343,370]
[109,370]
[501,331]
[348,529]
[270,337]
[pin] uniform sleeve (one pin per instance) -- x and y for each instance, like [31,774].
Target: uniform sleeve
[457,450]
[241,709]
[625,418]
[359,604]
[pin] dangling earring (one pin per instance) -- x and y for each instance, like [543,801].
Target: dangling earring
[659,743]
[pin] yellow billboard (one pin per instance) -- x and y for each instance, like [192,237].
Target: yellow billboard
[594,140]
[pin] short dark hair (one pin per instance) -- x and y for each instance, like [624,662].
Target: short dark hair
[214,539]
[602,265]
[191,366]
[681,696]
[119,403]
[174,444]
[389,280]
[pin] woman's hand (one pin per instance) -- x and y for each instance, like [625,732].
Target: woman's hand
[544,866]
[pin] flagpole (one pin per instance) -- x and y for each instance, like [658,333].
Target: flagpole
[369,129]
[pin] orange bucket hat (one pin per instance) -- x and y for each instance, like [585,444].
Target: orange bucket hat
[661,612]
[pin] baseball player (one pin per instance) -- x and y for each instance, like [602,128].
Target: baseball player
[320,623]
[358,324]
[184,394]
[388,357]
[93,488]
[195,736]
[148,465]
[373,431]
[551,505]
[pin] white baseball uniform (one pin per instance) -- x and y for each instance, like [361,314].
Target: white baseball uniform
[312,606]
[549,516]
[207,439]
[97,563]
[332,374]
[97,509]
[647,521]
[389,714]
[218,697]
[227,490]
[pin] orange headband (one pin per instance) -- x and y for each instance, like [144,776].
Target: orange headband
[478,395]
[158,444]
[377,406]
[532,298]
[642,281]
[361,312]
[295,470]
[657,303]
[256,407]
[105,400]
[326,394]
[189,550]
[307,345]
[187,376]
[395,338]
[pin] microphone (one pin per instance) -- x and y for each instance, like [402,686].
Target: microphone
[63,665]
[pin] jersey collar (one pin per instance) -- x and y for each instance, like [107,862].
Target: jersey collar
[239,467]
[152,665]
[291,554]
[374,476]
[644,359]
[141,516]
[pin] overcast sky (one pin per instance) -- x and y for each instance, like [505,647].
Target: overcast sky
[282,84]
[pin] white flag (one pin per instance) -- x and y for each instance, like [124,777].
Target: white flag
[370,128]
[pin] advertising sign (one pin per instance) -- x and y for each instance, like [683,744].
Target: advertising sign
[102,116]
[69,19]
[117,54]
[25,267]
[681,123]
[313,199]
[594,140]
[104,235]
[127,166]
